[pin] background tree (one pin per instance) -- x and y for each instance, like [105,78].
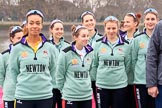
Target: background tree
[71,11]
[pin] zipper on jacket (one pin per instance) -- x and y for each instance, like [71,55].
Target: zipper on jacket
[112,52]
[81,58]
[112,49]
[83,62]
[35,53]
[35,57]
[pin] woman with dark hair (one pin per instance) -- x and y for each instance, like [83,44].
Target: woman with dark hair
[15,33]
[32,65]
[57,39]
[89,21]
[131,23]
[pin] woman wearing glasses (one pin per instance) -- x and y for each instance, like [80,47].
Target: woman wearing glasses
[32,66]
[72,72]
[15,34]
[110,66]
[57,39]
[139,50]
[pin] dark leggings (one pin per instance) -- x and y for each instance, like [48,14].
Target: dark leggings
[56,98]
[131,97]
[77,104]
[44,103]
[143,100]
[8,104]
[158,100]
[94,92]
[112,98]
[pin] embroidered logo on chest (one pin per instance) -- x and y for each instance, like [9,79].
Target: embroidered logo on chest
[142,45]
[24,54]
[74,61]
[103,50]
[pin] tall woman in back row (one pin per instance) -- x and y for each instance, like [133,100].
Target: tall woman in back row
[131,22]
[139,51]
[110,66]
[89,21]
[57,39]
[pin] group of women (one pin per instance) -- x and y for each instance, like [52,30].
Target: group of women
[37,72]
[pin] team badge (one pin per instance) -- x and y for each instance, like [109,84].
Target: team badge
[74,61]
[103,50]
[24,54]
[142,45]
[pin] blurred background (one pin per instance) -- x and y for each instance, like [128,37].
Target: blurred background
[12,12]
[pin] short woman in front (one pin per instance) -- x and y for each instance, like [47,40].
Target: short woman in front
[72,72]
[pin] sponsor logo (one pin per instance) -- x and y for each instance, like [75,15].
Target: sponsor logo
[112,63]
[82,74]
[6,104]
[19,101]
[69,102]
[138,93]
[36,68]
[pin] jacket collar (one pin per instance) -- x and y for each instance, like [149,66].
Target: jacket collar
[52,40]
[88,48]
[24,41]
[105,40]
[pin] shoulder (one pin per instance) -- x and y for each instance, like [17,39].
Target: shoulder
[99,40]
[67,49]
[16,44]
[50,41]
[48,44]
[138,35]
[6,51]
[126,43]
[99,34]
[159,23]
[66,42]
